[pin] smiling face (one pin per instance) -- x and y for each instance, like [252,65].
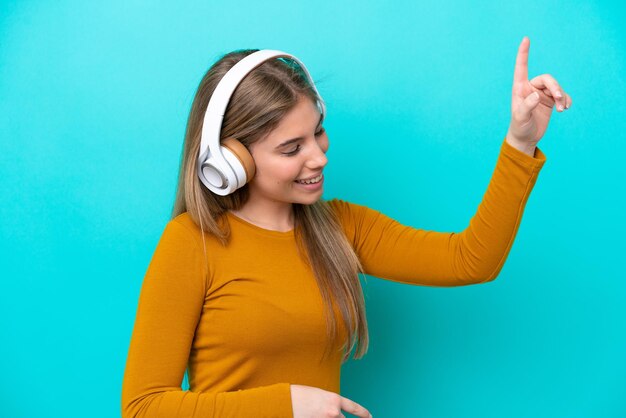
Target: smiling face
[294,151]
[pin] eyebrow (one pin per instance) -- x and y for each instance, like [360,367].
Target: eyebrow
[292,140]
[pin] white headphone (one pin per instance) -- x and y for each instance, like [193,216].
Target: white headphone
[227,167]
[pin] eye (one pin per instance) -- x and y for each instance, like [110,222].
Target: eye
[294,152]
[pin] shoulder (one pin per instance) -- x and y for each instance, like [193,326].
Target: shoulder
[339,206]
[186,228]
[351,215]
[345,210]
[186,222]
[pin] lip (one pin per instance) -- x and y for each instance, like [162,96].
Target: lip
[312,187]
[309,178]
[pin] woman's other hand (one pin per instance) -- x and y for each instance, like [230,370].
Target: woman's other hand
[311,402]
[530,112]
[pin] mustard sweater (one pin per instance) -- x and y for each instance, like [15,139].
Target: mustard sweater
[252,323]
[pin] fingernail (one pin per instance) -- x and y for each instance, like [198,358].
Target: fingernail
[560,107]
[558,94]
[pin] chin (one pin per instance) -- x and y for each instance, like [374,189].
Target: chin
[310,200]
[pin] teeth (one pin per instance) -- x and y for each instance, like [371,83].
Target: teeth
[311,181]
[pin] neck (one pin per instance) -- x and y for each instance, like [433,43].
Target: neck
[268,215]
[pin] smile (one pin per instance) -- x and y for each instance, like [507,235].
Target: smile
[310,181]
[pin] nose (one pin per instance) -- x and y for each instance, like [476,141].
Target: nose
[317,158]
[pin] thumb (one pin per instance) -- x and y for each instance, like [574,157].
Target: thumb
[524,111]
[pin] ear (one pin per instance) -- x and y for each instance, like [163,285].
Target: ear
[242,154]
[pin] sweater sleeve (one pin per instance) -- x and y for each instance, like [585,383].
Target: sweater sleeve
[390,250]
[170,304]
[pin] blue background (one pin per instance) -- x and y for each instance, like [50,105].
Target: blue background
[94,98]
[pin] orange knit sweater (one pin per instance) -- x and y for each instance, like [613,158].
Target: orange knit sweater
[251,323]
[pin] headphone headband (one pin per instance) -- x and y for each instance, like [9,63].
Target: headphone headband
[217,171]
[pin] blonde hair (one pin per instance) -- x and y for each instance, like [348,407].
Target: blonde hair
[256,107]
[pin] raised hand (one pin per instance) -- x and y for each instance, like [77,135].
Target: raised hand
[530,112]
[311,402]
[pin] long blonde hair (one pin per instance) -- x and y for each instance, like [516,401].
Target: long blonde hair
[256,107]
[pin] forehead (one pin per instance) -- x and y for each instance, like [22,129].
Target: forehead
[299,121]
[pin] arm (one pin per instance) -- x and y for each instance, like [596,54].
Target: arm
[393,251]
[170,305]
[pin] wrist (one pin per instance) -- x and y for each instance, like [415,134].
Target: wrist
[522,146]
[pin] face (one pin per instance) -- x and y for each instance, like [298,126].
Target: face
[294,151]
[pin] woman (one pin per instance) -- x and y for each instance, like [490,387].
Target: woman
[256,290]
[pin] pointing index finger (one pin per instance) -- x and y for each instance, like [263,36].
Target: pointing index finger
[521,64]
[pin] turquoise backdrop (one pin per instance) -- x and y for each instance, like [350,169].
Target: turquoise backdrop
[93,102]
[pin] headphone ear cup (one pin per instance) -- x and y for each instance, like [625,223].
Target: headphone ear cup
[244,164]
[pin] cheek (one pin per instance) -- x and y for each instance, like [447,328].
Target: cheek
[278,172]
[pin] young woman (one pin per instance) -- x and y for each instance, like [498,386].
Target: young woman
[256,291]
